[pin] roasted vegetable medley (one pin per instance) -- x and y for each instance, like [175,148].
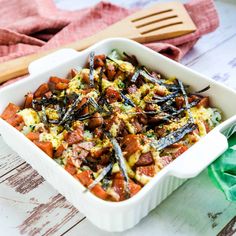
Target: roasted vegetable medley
[113,124]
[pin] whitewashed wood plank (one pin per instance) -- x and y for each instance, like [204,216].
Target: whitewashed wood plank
[189,211]
[8,158]
[30,206]
[220,63]
[226,30]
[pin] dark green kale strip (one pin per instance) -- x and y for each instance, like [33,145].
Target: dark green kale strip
[117,64]
[131,59]
[44,115]
[69,113]
[203,90]
[174,136]
[101,176]
[55,122]
[91,69]
[135,75]
[168,107]
[177,112]
[85,117]
[121,162]
[185,99]
[127,100]
[96,106]
[144,72]
[164,99]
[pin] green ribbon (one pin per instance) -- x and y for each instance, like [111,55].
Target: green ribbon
[222,171]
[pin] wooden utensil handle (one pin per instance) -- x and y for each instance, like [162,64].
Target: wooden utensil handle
[19,67]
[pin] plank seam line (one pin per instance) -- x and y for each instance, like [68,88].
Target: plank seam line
[73,226]
[191,63]
[12,169]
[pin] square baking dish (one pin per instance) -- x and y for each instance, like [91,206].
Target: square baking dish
[119,216]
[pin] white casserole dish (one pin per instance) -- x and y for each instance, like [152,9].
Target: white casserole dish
[112,216]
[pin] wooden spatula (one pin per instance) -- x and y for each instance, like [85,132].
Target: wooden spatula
[161,21]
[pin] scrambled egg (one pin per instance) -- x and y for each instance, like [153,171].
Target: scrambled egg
[30,116]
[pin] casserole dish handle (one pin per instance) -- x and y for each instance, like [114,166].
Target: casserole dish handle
[199,156]
[56,58]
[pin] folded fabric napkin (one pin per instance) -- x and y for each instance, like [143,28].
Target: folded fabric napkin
[31,26]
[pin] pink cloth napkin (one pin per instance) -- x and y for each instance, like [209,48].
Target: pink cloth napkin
[31,26]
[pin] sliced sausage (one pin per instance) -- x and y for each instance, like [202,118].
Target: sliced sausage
[145,159]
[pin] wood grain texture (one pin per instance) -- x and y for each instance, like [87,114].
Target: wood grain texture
[30,206]
[160,26]
[9,160]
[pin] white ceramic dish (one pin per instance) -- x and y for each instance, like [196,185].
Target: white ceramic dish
[119,216]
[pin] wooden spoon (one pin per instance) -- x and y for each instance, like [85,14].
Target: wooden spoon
[160,21]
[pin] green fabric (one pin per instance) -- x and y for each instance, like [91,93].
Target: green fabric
[223,171]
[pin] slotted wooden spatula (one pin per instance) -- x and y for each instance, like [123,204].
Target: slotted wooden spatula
[160,21]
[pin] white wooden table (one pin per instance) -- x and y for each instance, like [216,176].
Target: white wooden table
[30,206]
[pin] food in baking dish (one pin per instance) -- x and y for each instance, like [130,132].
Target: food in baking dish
[113,124]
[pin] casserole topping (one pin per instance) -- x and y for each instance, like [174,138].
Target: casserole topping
[113,124]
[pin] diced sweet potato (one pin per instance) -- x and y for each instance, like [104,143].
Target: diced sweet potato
[118,185]
[180,151]
[45,146]
[99,192]
[41,90]
[70,168]
[28,100]
[10,111]
[56,80]
[16,121]
[61,86]
[85,177]
[33,136]
[59,151]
